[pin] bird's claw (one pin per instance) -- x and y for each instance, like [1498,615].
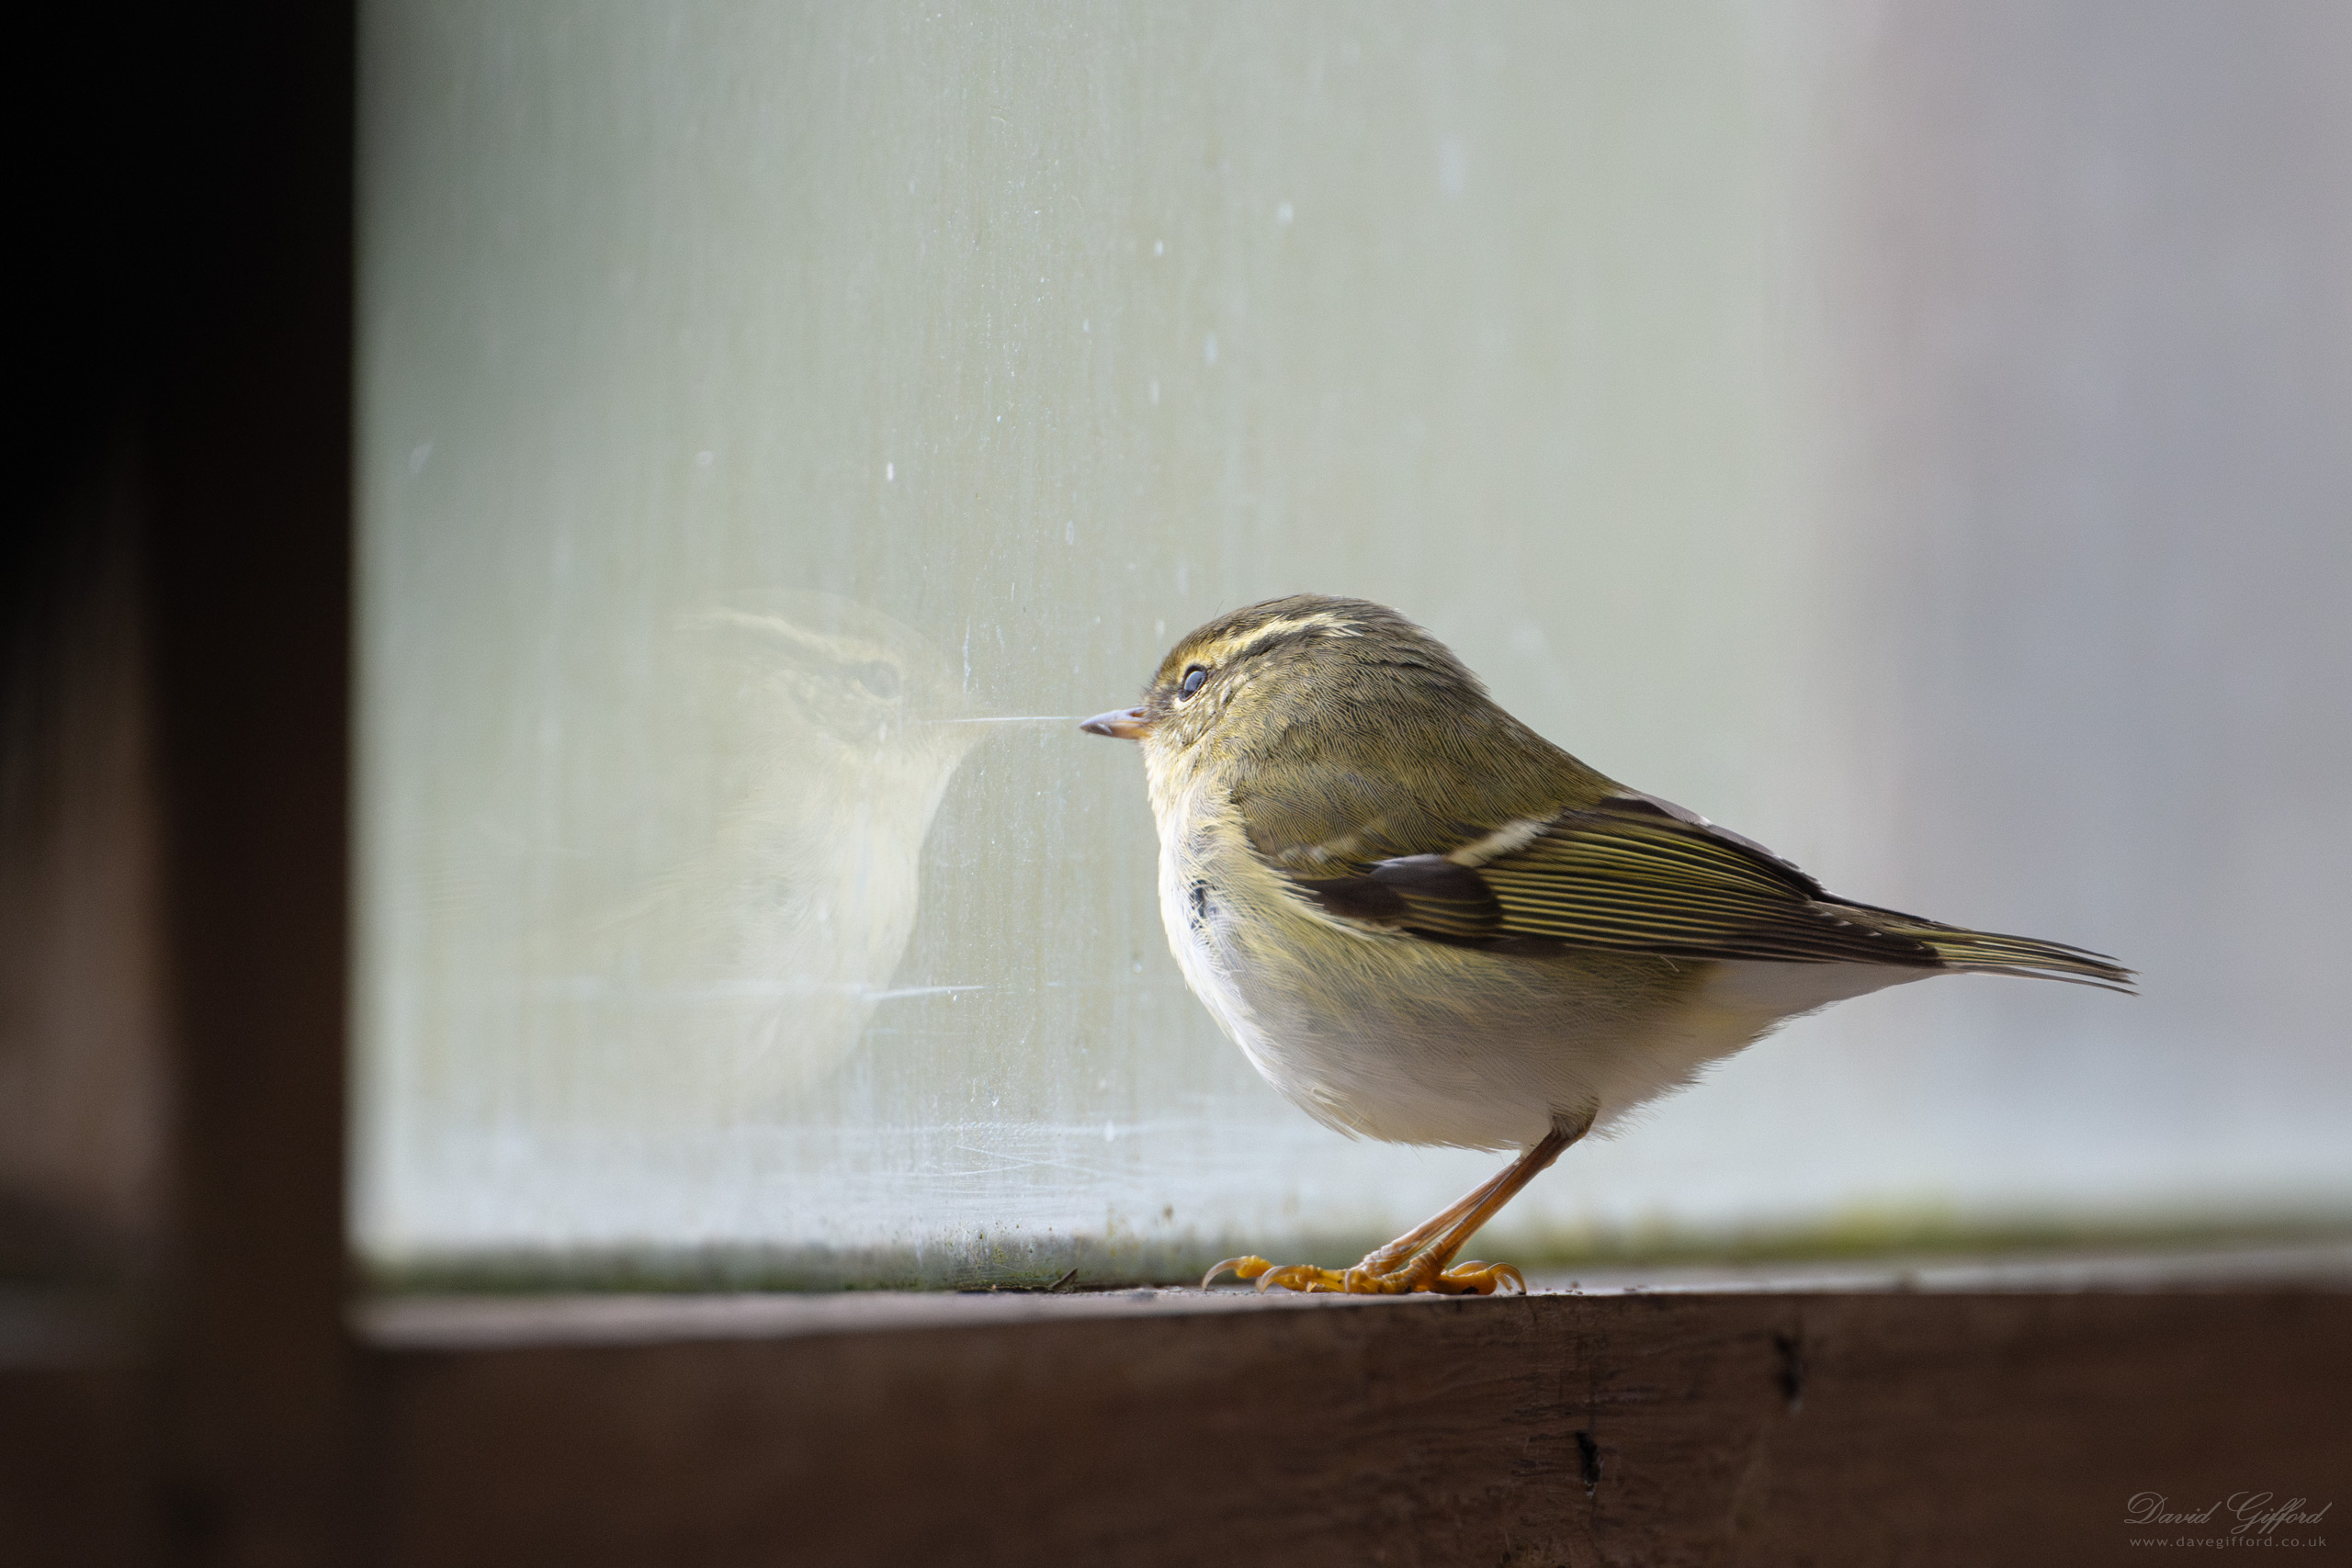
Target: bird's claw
[1375,1275]
[1481,1279]
[1245,1268]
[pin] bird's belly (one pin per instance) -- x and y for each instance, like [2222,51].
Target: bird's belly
[1415,1042]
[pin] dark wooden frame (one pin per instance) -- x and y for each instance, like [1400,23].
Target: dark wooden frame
[1758,1428]
[188,355]
[218,1406]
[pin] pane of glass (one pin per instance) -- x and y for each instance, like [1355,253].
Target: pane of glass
[780,423]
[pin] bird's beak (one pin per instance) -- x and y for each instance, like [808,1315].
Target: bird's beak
[1119,723]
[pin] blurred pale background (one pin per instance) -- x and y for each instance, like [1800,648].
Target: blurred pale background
[1913,434]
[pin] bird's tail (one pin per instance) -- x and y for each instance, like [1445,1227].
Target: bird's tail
[1990,952]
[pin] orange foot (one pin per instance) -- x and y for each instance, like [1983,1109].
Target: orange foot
[1419,1259]
[1377,1276]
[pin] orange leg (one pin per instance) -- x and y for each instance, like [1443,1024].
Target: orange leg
[1423,1259]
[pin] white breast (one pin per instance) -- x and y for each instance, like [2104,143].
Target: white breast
[1195,912]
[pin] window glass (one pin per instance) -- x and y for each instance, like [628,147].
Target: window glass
[1907,437]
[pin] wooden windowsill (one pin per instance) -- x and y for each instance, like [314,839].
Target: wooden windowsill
[1953,1412]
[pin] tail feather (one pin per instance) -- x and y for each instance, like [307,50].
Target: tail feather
[1991,952]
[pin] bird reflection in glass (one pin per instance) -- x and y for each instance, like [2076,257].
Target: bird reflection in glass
[752,962]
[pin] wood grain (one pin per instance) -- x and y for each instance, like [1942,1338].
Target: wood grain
[1552,1430]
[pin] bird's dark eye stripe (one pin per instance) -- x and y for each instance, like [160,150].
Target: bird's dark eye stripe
[1192,679]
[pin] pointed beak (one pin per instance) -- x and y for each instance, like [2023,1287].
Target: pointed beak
[1119,723]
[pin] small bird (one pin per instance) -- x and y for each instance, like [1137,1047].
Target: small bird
[1425,923]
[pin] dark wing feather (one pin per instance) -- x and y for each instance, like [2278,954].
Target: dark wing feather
[1637,874]
[1637,879]
[1425,895]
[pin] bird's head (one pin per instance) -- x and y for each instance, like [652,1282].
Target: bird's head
[1308,674]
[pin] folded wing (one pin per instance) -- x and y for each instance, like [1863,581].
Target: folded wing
[1634,873]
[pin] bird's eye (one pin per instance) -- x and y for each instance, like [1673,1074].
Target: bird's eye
[1192,679]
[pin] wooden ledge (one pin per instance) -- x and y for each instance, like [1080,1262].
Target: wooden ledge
[1927,1416]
